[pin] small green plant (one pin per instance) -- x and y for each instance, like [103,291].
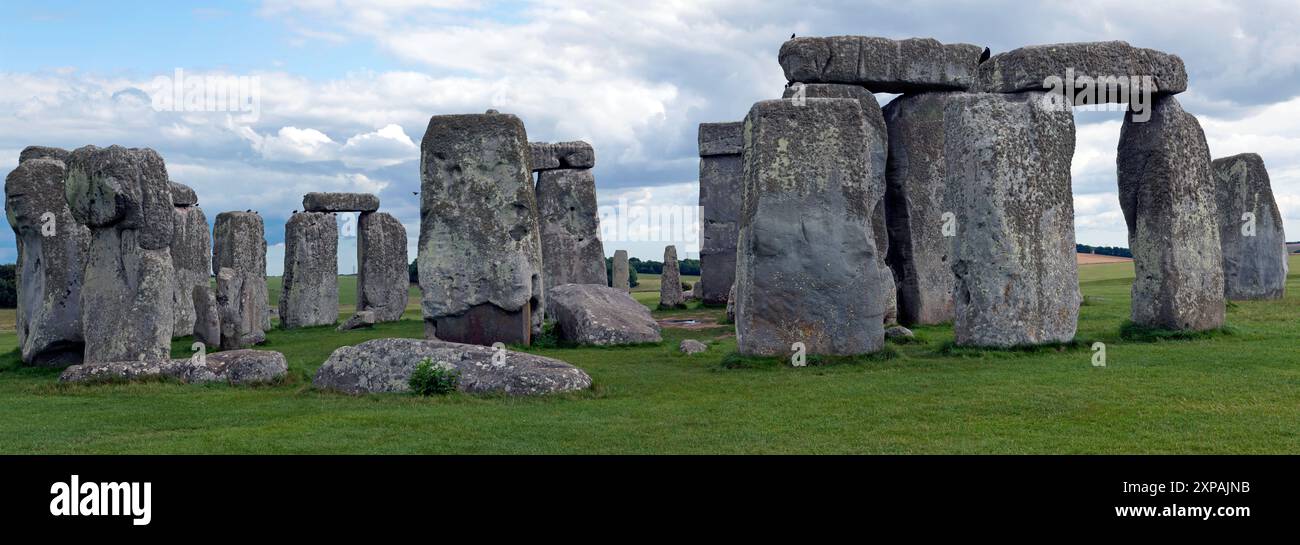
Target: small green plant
[429,379]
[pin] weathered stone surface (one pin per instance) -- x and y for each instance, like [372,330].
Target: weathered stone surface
[191,251]
[479,240]
[691,346]
[1254,258]
[599,315]
[570,228]
[310,286]
[239,243]
[731,304]
[124,197]
[1167,192]
[207,315]
[721,186]
[721,138]
[881,64]
[897,332]
[383,281]
[385,365]
[1028,68]
[237,367]
[546,156]
[51,253]
[43,152]
[183,195]
[670,281]
[1008,164]
[240,296]
[917,198]
[340,202]
[363,318]
[619,271]
[888,289]
[807,266]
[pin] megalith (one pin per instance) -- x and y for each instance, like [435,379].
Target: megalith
[123,196]
[383,280]
[570,228]
[1035,67]
[237,301]
[670,281]
[807,266]
[52,248]
[340,202]
[1250,229]
[1167,192]
[1007,158]
[721,173]
[191,250]
[619,271]
[479,250]
[309,294]
[239,244]
[545,156]
[882,65]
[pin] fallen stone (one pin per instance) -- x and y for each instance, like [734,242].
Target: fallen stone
[881,64]
[1008,163]
[236,367]
[340,202]
[691,346]
[480,250]
[620,272]
[207,322]
[807,267]
[1254,247]
[183,195]
[383,280]
[239,243]
[1029,68]
[598,315]
[52,250]
[191,251]
[898,331]
[670,281]
[570,228]
[238,304]
[721,179]
[385,365]
[574,155]
[721,138]
[1167,192]
[310,285]
[363,318]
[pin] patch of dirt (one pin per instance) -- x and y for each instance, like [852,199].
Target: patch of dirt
[1098,259]
[688,322]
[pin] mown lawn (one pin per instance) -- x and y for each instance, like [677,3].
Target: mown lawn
[1230,393]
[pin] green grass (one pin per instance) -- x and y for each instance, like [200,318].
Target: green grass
[1223,393]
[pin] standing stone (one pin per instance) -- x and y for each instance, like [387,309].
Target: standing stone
[52,249]
[238,301]
[619,274]
[310,289]
[807,267]
[1008,164]
[670,282]
[721,179]
[480,251]
[1254,247]
[239,243]
[921,217]
[124,197]
[570,228]
[881,64]
[383,281]
[191,250]
[1167,192]
[207,316]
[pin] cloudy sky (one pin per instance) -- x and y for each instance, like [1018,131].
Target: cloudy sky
[346,87]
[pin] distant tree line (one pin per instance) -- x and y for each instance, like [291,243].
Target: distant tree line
[1103,250]
[8,286]
[631,272]
[687,267]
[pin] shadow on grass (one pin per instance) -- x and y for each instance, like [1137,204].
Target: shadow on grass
[1132,332]
[952,349]
[736,360]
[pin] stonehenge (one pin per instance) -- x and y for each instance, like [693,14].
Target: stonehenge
[720,191]
[543,156]
[670,282]
[191,257]
[235,367]
[1250,229]
[572,252]
[882,65]
[382,279]
[340,202]
[619,271]
[239,263]
[310,287]
[1029,68]
[587,314]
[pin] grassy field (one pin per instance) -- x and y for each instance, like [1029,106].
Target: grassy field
[1237,392]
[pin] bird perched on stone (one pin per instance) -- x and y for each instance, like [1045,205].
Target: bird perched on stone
[985,55]
[791,35]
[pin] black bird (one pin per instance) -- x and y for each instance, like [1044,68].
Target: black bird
[415,192]
[985,55]
[791,35]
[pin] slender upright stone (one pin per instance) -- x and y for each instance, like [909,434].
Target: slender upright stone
[123,196]
[1250,229]
[1008,164]
[52,249]
[191,250]
[207,315]
[1167,192]
[670,281]
[721,179]
[310,289]
[383,283]
[807,267]
[238,299]
[619,271]
[239,243]
[480,251]
[570,228]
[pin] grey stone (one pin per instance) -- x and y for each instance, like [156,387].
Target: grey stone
[598,315]
[721,138]
[183,195]
[546,156]
[731,305]
[807,267]
[570,228]
[888,289]
[207,321]
[127,307]
[239,300]
[310,286]
[383,280]
[670,281]
[917,198]
[897,332]
[363,318]
[239,243]
[479,240]
[881,64]
[43,152]
[1167,192]
[191,251]
[1028,68]
[51,255]
[721,184]
[340,202]
[236,367]
[385,365]
[1008,159]
[1254,260]
[619,271]
[691,346]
